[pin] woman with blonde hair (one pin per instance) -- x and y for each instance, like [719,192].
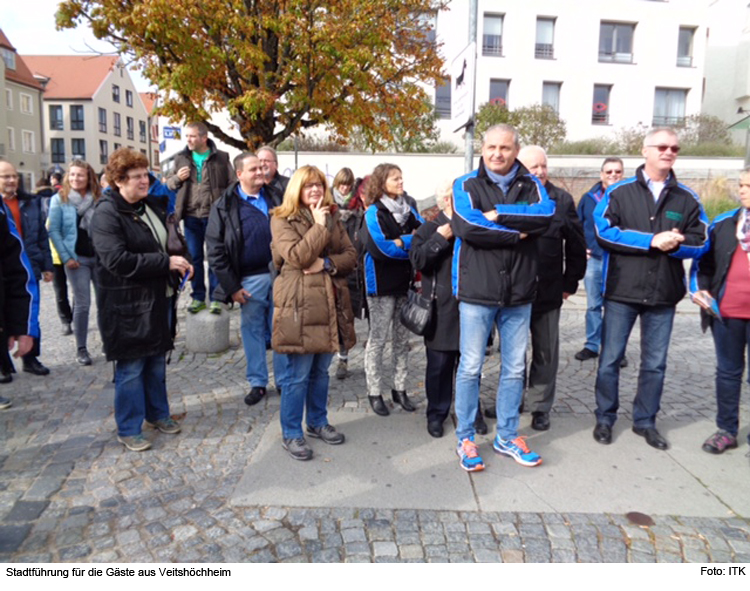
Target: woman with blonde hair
[312,310]
[70,213]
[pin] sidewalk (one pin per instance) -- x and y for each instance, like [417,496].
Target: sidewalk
[224,490]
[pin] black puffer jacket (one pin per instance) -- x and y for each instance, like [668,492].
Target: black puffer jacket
[19,292]
[35,239]
[132,275]
[627,218]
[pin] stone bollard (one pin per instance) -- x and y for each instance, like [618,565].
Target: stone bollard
[206,332]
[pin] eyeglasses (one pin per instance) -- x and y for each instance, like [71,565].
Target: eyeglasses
[664,148]
[611,172]
[137,177]
[8,177]
[308,186]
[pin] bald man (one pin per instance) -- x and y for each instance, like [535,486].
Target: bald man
[562,264]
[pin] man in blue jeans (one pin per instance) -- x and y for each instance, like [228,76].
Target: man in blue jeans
[611,173]
[498,210]
[238,237]
[647,225]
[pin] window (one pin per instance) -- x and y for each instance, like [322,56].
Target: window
[545,38]
[103,152]
[117,126]
[76,117]
[27,140]
[669,106]
[551,95]
[129,98]
[443,99]
[9,99]
[142,131]
[600,107]
[499,91]
[11,139]
[130,125]
[102,120]
[56,117]
[492,37]
[9,57]
[58,150]
[116,146]
[78,148]
[27,104]
[116,93]
[616,42]
[685,47]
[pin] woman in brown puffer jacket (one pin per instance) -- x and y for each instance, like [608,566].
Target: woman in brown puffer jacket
[312,308]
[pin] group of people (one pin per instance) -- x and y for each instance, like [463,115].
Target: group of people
[303,258]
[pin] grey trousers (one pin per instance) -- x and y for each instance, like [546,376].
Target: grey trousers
[545,358]
[81,280]
[384,320]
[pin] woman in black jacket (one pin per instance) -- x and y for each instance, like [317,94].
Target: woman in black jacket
[135,280]
[390,221]
[432,254]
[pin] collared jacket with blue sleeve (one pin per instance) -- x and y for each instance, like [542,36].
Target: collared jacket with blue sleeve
[627,218]
[492,264]
[387,267]
[586,207]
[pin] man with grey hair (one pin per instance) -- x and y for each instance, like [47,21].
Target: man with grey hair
[200,175]
[562,264]
[647,225]
[270,163]
[498,210]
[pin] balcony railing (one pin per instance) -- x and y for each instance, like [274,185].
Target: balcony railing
[685,61]
[492,45]
[667,121]
[618,58]
[544,51]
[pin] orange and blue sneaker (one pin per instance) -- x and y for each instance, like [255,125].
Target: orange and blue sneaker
[518,450]
[468,455]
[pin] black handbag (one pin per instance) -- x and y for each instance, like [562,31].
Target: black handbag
[416,313]
[176,244]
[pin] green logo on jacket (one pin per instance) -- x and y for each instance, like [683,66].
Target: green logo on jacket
[675,216]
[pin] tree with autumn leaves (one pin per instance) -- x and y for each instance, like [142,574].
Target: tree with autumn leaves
[279,66]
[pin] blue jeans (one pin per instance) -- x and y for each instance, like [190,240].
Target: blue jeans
[592,281]
[195,236]
[476,323]
[253,325]
[731,339]
[305,389]
[140,393]
[656,329]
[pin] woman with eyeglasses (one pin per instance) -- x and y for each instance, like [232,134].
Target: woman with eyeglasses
[136,281]
[312,313]
[70,213]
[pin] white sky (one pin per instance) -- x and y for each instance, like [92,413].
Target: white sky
[30,27]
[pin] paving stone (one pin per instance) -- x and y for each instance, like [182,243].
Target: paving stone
[26,511]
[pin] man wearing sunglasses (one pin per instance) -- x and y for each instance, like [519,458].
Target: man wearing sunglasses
[646,226]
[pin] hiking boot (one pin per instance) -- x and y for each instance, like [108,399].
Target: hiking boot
[196,306]
[168,426]
[517,449]
[5,402]
[719,442]
[342,369]
[297,448]
[34,366]
[134,442]
[327,433]
[83,357]
[255,396]
[215,308]
[468,455]
[586,354]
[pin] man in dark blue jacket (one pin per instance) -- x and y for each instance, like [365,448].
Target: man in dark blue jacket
[647,225]
[611,173]
[498,210]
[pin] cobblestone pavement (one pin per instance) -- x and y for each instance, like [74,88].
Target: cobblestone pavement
[69,492]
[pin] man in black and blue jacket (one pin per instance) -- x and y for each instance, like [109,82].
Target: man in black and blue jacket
[647,225]
[499,209]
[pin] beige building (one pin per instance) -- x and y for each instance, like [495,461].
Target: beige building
[91,108]
[150,102]
[21,115]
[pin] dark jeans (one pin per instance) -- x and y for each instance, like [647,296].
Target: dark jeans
[439,382]
[195,236]
[731,339]
[60,283]
[656,329]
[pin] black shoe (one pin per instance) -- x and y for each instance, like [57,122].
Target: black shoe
[653,437]
[435,428]
[379,406]
[66,330]
[400,397]
[586,354]
[603,433]
[479,425]
[624,362]
[540,421]
[255,396]
[490,412]
[6,378]
[34,366]
[83,357]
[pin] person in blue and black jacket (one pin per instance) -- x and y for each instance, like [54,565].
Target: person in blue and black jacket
[389,223]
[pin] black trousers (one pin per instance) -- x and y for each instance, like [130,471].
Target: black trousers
[440,383]
[60,283]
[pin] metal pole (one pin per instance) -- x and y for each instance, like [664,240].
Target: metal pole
[469,150]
